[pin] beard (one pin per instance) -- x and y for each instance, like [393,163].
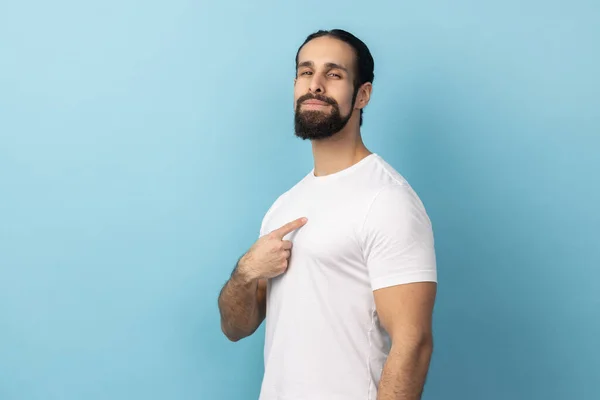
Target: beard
[317,124]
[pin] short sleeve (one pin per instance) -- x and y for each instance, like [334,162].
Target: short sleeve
[397,239]
[261,232]
[263,225]
[265,220]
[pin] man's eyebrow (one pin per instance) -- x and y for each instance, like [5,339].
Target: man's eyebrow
[329,65]
[336,66]
[305,64]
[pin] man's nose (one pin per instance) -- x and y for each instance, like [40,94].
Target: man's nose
[316,85]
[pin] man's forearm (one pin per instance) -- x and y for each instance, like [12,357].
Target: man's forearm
[405,370]
[239,307]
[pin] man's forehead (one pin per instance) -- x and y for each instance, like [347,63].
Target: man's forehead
[326,51]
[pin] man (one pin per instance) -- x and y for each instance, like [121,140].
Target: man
[344,270]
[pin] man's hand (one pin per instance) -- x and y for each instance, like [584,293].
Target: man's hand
[269,256]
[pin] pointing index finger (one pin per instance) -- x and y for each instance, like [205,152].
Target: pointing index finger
[290,227]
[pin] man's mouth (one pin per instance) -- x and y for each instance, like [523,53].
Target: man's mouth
[314,102]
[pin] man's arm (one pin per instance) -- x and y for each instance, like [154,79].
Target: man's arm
[242,301]
[242,304]
[405,312]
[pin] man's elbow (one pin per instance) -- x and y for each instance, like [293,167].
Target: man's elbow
[418,343]
[426,348]
[229,334]
[232,334]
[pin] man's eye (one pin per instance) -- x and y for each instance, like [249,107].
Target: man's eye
[335,75]
[305,73]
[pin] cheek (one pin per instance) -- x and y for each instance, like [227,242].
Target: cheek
[301,87]
[298,91]
[345,103]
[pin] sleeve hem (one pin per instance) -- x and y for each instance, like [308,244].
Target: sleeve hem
[400,279]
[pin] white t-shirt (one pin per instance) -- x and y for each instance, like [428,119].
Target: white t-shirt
[367,229]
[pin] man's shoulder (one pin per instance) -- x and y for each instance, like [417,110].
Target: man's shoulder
[290,191]
[385,173]
[388,189]
[376,177]
[280,199]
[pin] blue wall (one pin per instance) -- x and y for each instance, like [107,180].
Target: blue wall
[142,142]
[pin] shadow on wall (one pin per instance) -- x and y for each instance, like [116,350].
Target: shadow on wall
[489,182]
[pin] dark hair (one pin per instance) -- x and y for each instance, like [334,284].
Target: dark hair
[364,60]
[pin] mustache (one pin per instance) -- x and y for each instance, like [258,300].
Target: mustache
[310,96]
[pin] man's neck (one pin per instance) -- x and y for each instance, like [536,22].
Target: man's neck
[338,152]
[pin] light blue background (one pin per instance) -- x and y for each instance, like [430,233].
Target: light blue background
[141,143]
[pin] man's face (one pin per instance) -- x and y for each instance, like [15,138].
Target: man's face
[324,88]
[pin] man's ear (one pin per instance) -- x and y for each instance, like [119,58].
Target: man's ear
[364,95]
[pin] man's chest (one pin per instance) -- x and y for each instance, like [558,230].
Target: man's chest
[331,234]
[326,269]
